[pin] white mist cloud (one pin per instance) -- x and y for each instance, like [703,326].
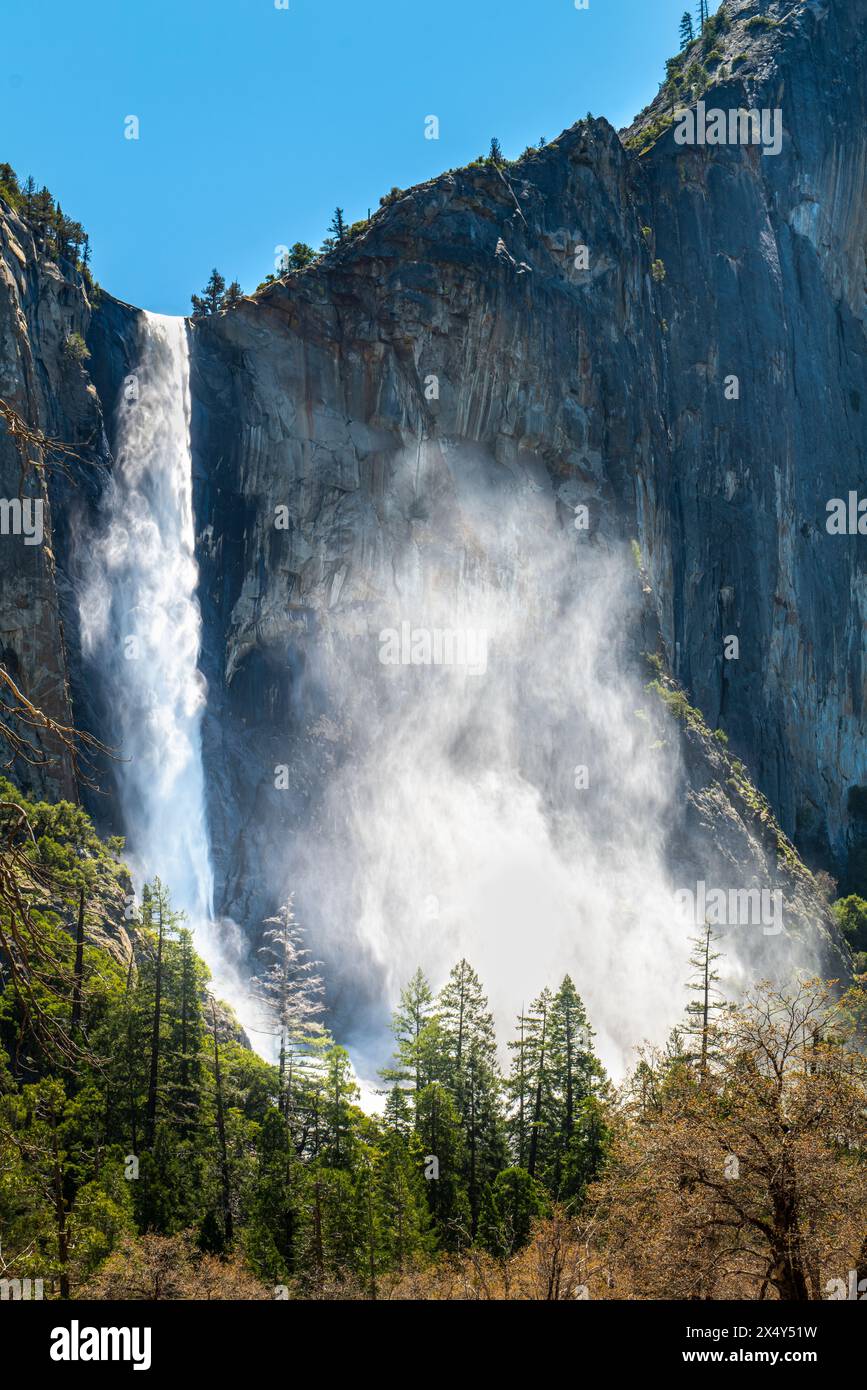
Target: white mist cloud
[461,830]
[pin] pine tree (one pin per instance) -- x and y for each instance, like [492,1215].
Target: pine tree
[160,1194]
[473,1077]
[272,1228]
[398,1112]
[225,1179]
[495,154]
[299,256]
[337,227]
[331,1236]
[464,1016]
[702,1011]
[519,1092]
[527,1086]
[290,995]
[687,30]
[156,916]
[56,241]
[185,985]
[233,296]
[210,301]
[68,236]
[306,1094]
[485,1139]
[42,218]
[132,1048]
[537,1034]
[577,1132]
[339,1097]
[9,188]
[571,1061]
[48,1114]
[405,1220]
[441,1148]
[556,1087]
[415,1012]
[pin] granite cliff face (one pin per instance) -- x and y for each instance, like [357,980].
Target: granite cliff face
[766,259]
[42,307]
[549,335]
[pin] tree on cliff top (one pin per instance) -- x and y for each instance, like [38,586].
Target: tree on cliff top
[299,256]
[211,298]
[336,231]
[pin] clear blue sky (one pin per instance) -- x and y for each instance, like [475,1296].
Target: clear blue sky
[256,122]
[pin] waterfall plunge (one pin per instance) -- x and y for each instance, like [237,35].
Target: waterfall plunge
[141,627]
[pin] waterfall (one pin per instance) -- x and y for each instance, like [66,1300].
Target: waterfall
[141,626]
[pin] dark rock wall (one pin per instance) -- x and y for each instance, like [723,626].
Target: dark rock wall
[463,319]
[766,279]
[41,305]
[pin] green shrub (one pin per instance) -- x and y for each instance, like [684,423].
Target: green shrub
[657,270]
[675,701]
[851,914]
[75,348]
[696,77]
[716,25]
[10,191]
[643,139]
